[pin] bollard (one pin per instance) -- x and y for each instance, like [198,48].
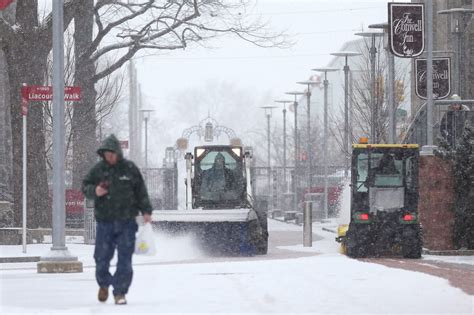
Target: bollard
[308,224]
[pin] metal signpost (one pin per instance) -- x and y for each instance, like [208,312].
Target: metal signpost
[24,113]
[32,94]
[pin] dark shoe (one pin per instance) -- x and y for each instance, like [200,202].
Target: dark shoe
[120,300]
[103,294]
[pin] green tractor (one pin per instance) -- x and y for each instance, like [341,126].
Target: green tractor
[384,202]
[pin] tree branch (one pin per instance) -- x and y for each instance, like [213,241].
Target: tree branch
[46,29]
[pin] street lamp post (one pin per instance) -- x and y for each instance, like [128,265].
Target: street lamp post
[268,114]
[458,28]
[391,98]
[58,259]
[325,135]
[429,148]
[347,150]
[309,84]
[296,149]
[284,102]
[374,110]
[146,116]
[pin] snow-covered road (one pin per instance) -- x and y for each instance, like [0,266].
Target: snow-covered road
[291,279]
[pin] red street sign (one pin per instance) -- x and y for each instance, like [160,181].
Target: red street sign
[45,93]
[4,4]
[124,144]
[74,201]
[72,93]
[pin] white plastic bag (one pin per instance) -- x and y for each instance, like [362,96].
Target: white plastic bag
[145,242]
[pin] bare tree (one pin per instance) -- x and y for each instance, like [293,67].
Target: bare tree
[26,41]
[360,100]
[109,92]
[124,28]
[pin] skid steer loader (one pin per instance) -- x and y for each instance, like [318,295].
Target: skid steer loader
[220,210]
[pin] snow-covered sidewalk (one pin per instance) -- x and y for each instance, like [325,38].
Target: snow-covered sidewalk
[326,283]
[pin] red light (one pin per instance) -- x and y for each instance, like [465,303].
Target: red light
[408,217]
[364,217]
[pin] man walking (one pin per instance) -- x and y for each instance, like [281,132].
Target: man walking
[119,193]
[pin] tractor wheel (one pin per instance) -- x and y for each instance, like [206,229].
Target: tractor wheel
[356,241]
[262,239]
[412,243]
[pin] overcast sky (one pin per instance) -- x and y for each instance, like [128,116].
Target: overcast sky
[318,27]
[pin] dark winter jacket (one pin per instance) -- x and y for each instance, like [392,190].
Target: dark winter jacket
[127,193]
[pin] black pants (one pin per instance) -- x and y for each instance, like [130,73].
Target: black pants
[113,235]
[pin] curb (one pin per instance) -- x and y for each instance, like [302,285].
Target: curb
[5,260]
[461,252]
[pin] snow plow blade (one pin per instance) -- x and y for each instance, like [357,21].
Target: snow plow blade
[190,216]
[217,231]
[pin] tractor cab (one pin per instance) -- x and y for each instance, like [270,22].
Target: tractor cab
[384,201]
[385,179]
[219,178]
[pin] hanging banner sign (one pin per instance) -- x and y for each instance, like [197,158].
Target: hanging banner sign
[441,78]
[406,29]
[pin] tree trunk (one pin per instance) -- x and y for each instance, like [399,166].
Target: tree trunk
[6,214]
[26,59]
[84,121]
